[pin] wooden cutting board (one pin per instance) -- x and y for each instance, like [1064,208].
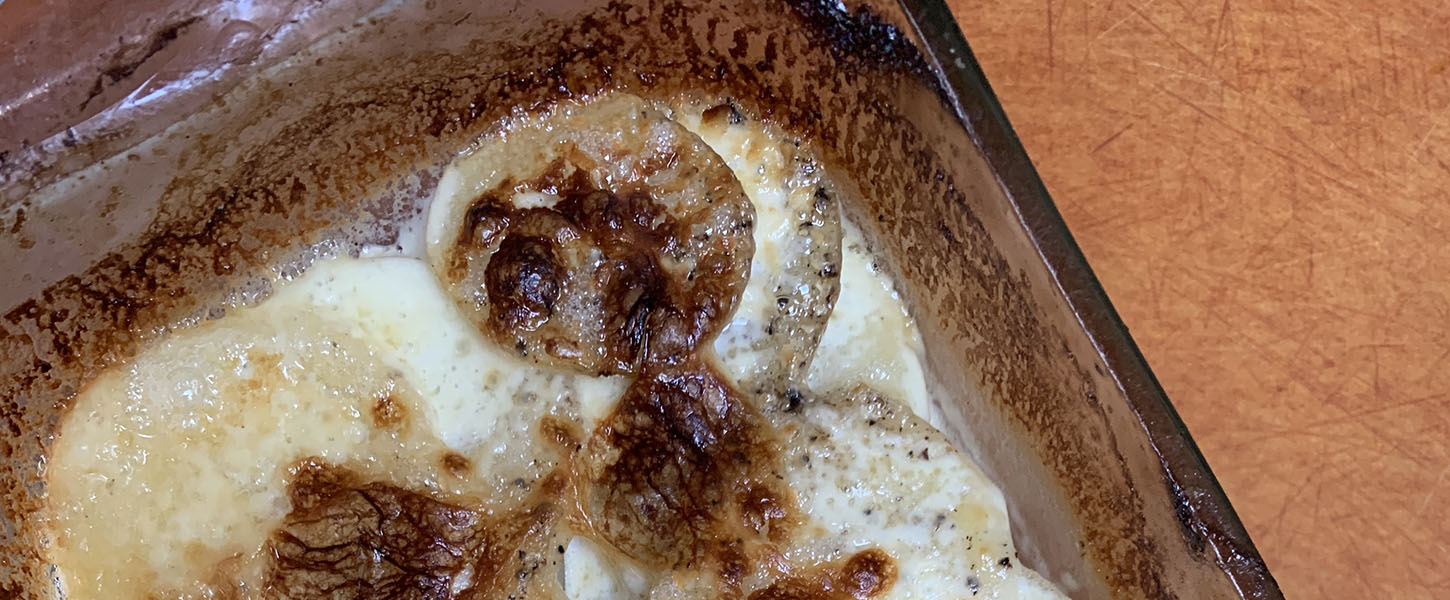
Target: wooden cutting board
[1263,187]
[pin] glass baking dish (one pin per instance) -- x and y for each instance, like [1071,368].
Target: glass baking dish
[156,155]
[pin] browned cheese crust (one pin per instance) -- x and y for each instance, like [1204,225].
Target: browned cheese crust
[640,260]
[632,265]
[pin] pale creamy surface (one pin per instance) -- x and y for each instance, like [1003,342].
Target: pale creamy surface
[769,178]
[183,454]
[594,573]
[869,473]
[870,338]
[178,460]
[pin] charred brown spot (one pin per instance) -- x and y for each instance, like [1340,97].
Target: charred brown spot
[352,538]
[622,222]
[685,453]
[457,464]
[645,252]
[523,282]
[792,589]
[716,116]
[867,574]
[389,412]
[734,565]
[371,538]
[646,315]
[635,304]
[484,222]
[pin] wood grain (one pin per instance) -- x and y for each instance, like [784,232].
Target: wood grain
[1263,187]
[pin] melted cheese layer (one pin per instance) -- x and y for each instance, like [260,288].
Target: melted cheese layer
[869,473]
[179,461]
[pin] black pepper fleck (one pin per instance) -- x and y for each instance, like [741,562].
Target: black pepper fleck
[792,400]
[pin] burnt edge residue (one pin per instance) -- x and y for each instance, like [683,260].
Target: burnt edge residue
[383,122]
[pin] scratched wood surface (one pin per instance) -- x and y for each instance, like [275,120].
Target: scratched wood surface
[1263,187]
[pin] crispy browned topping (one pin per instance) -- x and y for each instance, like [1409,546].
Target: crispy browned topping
[635,277]
[640,258]
[682,472]
[867,574]
[764,511]
[562,434]
[347,538]
[523,283]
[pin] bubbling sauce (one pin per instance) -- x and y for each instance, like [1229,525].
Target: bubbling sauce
[612,371]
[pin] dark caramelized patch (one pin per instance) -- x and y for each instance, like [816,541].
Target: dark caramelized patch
[389,412]
[634,273]
[523,282]
[457,464]
[347,538]
[867,574]
[640,258]
[681,477]
[484,222]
